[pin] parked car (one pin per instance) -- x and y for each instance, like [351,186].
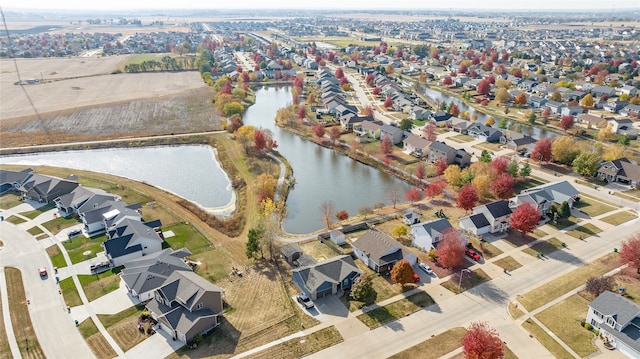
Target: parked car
[42,271]
[471,253]
[416,278]
[100,267]
[305,300]
[74,233]
[425,268]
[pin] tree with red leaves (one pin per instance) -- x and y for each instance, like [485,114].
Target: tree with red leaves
[484,87]
[475,60]
[402,272]
[429,131]
[413,195]
[399,54]
[388,102]
[386,147]
[376,91]
[369,80]
[546,113]
[342,215]
[450,250]
[454,111]
[499,165]
[502,187]
[447,81]
[334,134]
[463,69]
[302,112]
[467,197]
[525,218]
[517,73]
[441,165]
[435,188]
[542,151]
[259,140]
[331,56]
[566,122]
[520,99]
[339,72]
[367,111]
[245,77]
[319,131]
[226,88]
[235,124]
[421,171]
[482,342]
[344,81]
[630,251]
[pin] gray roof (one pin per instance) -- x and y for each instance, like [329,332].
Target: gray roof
[11,177]
[440,147]
[48,186]
[625,313]
[333,270]
[75,197]
[128,237]
[179,318]
[290,249]
[439,225]
[557,192]
[498,208]
[390,129]
[149,272]
[186,288]
[377,245]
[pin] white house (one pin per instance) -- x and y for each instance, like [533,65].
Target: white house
[618,320]
[426,235]
[496,213]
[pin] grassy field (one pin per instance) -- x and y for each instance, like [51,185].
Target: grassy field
[15,220]
[122,327]
[396,310]
[547,247]
[382,287]
[20,318]
[469,280]
[564,319]
[96,341]
[35,231]
[434,347]
[70,292]
[619,218]
[514,311]
[545,339]
[9,200]
[487,249]
[36,212]
[188,237]
[57,224]
[57,259]
[507,263]
[563,223]
[461,138]
[585,231]
[557,287]
[593,207]
[95,286]
[78,246]
[300,347]
[5,350]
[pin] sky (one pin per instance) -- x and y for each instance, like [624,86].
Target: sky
[320,4]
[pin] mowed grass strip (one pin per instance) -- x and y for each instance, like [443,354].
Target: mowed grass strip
[587,230]
[122,327]
[508,263]
[57,259]
[70,292]
[434,347]
[564,318]
[97,285]
[300,347]
[5,349]
[487,249]
[96,341]
[514,311]
[34,231]
[9,200]
[77,247]
[57,224]
[547,247]
[593,207]
[20,318]
[398,309]
[546,340]
[15,220]
[36,212]
[559,286]
[619,218]
[469,280]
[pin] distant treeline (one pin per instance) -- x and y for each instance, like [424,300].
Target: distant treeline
[166,63]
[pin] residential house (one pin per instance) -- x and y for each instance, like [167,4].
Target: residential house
[476,224]
[143,276]
[614,106]
[622,126]
[349,120]
[426,235]
[590,121]
[186,305]
[496,213]
[630,109]
[13,180]
[327,277]
[411,218]
[45,189]
[460,125]
[620,170]
[516,141]
[130,239]
[380,252]
[536,101]
[629,90]
[416,146]
[440,117]
[418,113]
[95,220]
[484,132]
[68,204]
[571,110]
[618,320]
[462,158]
[394,133]
[440,150]
[545,195]
[599,90]
[555,107]
[369,129]
[291,253]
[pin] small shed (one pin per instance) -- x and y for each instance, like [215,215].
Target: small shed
[337,237]
[291,252]
[411,218]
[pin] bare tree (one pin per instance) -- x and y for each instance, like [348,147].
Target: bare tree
[598,285]
[394,194]
[327,209]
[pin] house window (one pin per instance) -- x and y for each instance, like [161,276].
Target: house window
[199,306]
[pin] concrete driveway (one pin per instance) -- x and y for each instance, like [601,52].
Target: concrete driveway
[159,345]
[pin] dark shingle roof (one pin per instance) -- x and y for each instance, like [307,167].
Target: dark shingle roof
[479,220]
[498,208]
[333,270]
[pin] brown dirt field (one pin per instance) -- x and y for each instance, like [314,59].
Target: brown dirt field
[100,347]
[20,318]
[126,334]
[58,68]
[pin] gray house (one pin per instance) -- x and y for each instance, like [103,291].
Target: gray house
[440,150]
[547,194]
[130,239]
[394,133]
[483,132]
[380,252]
[620,170]
[618,320]
[326,277]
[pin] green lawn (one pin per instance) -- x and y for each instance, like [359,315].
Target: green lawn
[57,224]
[36,212]
[538,233]
[187,236]
[95,286]
[585,231]
[109,320]
[57,259]
[507,263]
[70,292]
[434,347]
[547,247]
[382,289]
[15,220]
[546,340]
[619,218]
[564,319]
[87,328]
[563,223]
[34,231]
[9,200]
[462,138]
[301,347]
[77,246]
[592,207]
[395,310]
[469,280]
[561,285]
